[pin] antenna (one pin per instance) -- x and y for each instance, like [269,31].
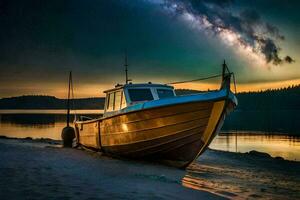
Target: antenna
[126,68]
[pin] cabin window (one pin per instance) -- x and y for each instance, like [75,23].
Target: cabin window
[111,100]
[107,101]
[140,94]
[117,100]
[163,93]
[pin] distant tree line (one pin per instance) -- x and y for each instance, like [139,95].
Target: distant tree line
[275,99]
[49,102]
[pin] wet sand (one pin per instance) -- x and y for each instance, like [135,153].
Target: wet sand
[40,169]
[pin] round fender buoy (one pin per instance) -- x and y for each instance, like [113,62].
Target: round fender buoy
[67,135]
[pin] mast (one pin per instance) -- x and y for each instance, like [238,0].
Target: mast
[68,133]
[68,101]
[226,76]
[126,68]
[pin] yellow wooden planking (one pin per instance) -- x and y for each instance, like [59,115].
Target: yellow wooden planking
[88,134]
[213,120]
[150,124]
[139,136]
[149,129]
[155,113]
[155,123]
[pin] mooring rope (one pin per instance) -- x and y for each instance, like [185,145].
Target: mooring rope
[199,79]
[205,78]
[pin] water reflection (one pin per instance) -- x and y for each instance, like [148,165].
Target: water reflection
[285,146]
[38,125]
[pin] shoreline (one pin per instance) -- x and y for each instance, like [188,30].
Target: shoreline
[50,141]
[41,169]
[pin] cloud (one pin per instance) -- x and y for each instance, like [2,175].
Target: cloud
[245,29]
[270,50]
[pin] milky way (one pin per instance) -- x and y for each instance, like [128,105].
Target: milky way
[244,30]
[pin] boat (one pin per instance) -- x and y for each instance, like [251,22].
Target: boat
[150,122]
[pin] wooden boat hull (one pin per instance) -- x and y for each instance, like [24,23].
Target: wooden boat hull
[175,134]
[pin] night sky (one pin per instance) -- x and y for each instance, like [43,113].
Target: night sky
[166,40]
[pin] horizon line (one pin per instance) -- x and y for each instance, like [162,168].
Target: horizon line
[90,97]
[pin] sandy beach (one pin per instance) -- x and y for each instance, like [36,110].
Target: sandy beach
[41,169]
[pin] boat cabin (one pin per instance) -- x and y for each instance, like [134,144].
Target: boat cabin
[129,94]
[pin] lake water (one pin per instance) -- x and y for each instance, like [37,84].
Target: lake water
[49,123]
[282,145]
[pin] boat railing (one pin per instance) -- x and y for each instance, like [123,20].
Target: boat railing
[84,118]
